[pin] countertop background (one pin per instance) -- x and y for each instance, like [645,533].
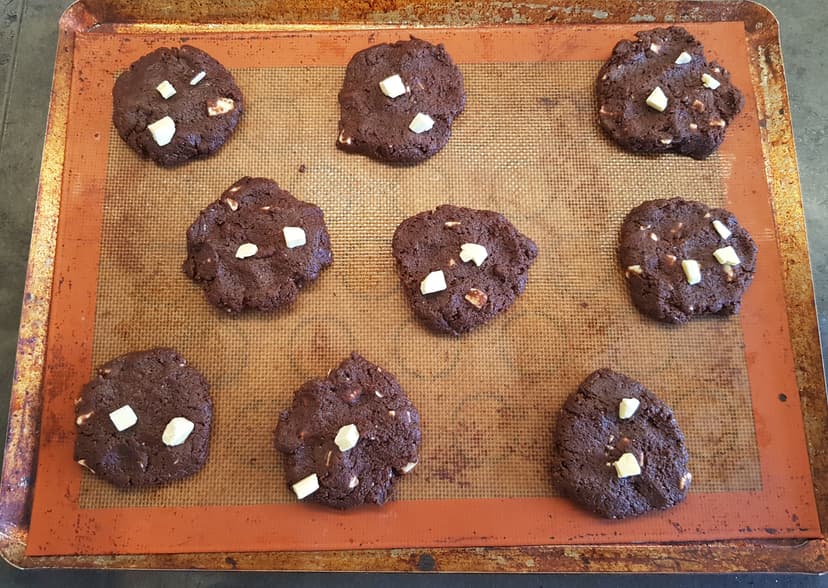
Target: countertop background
[28,37]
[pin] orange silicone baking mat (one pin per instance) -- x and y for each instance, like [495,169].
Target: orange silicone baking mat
[528,146]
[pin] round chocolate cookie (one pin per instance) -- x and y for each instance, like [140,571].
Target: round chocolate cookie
[659,94]
[398,101]
[348,437]
[618,450]
[683,259]
[144,420]
[256,247]
[176,104]
[461,267]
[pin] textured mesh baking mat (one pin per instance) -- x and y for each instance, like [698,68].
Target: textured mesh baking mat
[488,400]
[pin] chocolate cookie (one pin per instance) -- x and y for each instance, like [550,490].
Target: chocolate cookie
[348,437]
[256,247]
[176,104]
[659,94]
[144,420]
[398,101]
[618,450]
[461,267]
[683,259]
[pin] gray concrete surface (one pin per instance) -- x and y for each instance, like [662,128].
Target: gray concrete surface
[28,36]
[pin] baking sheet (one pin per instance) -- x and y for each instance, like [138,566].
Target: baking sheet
[487,400]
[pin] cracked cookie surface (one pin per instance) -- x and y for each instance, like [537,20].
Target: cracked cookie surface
[378,444]
[124,417]
[176,104]
[256,247]
[378,125]
[696,104]
[591,437]
[659,236]
[432,245]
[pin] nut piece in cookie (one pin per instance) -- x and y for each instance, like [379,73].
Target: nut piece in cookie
[460,267]
[619,466]
[682,259]
[671,99]
[144,420]
[398,101]
[256,247]
[176,104]
[348,437]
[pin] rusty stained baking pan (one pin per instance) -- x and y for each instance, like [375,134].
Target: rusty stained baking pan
[767,73]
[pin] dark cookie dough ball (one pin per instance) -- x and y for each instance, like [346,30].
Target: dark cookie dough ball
[256,247]
[433,241]
[164,409]
[698,110]
[204,110]
[659,235]
[591,437]
[356,395]
[377,125]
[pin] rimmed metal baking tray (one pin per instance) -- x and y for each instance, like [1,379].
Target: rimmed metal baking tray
[761,33]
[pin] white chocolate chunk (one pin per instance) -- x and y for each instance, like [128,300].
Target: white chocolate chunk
[727,256]
[692,271]
[166,90]
[392,86]
[232,203]
[347,437]
[710,82]
[123,418]
[409,466]
[84,417]
[627,466]
[82,463]
[655,47]
[473,252]
[451,224]
[220,106]
[306,486]
[683,58]
[635,269]
[723,231]
[728,270]
[198,77]
[476,298]
[657,100]
[246,250]
[354,482]
[685,480]
[177,431]
[627,407]
[163,130]
[421,123]
[294,237]
[433,282]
